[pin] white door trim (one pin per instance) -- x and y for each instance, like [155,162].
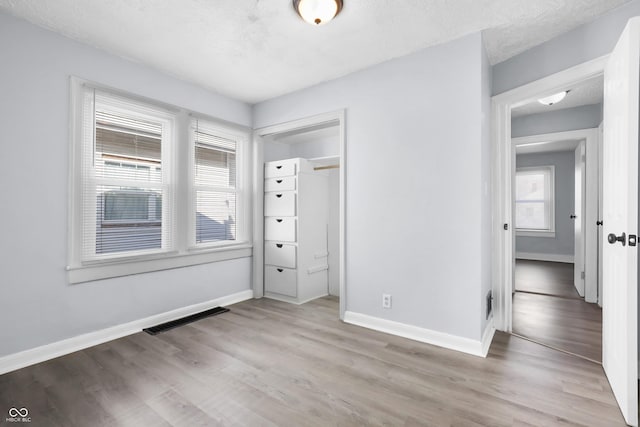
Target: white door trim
[258,190]
[502,157]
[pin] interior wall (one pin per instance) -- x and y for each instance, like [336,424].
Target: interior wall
[334,231]
[37,304]
[564,196]
[305,147]
[582,44]
[276,151]
[584,117]
[485,171]
[323,147]
[412,219]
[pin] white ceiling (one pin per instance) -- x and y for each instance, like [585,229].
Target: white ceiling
[258,49]
[587,93]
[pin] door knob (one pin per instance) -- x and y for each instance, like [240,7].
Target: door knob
[612,238]
[572,216]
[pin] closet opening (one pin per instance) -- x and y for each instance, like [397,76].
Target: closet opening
[299,210]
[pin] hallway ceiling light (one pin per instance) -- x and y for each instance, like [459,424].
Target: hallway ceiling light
[317,12]
[553,99]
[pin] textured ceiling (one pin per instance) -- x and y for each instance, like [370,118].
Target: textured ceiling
[258,49]
[587,93]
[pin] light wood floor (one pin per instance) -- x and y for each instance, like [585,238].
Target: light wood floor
[551,278]
[561,318]
[269,363]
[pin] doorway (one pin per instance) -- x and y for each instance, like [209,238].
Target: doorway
[316,144]
[504,159]
[554,300]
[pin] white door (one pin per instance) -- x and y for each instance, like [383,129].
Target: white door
[578,220]
[620,209]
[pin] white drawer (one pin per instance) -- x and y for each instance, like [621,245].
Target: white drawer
[280,168]
[280,254]
[287,183]
[280,204]
[280,229]
[280,281]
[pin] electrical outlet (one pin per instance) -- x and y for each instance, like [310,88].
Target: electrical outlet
[386,301]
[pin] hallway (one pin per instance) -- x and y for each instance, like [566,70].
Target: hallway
[547,309]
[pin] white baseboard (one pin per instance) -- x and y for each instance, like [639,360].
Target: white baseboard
[545,257]
[428,336]
[35,355]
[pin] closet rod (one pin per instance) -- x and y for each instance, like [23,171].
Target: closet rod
[319,168]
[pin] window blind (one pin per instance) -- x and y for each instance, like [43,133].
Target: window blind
[127,207]
[214,186]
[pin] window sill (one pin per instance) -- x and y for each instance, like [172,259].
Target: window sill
[535,233]
[118,268]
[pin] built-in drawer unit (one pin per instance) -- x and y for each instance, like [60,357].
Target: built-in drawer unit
[287,183]
[280,229]
[281,168]
[280,254]
[280,280]
[280,204]
[295,231]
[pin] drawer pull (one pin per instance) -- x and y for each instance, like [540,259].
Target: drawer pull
[278,220]
[279,245]
[279,181]
[278,195]
[280,270]
[279,167]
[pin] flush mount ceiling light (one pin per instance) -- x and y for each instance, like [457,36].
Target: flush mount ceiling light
[553,99]
[317,12]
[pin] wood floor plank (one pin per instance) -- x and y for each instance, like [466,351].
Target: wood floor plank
[268,363]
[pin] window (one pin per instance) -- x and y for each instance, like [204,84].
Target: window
[215,177]
[123,180]
[151,186]
[534,200]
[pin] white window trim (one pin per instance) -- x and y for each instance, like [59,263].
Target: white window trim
[182,254]
[551,232]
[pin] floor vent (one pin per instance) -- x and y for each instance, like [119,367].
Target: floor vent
[183,321]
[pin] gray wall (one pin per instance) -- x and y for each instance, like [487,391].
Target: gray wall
[585,117]
[408,234]
[307,149]
[563,242]
[37,304]
[582,44]
[485,168]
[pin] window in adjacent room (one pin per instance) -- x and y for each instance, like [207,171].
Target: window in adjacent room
[534,200]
